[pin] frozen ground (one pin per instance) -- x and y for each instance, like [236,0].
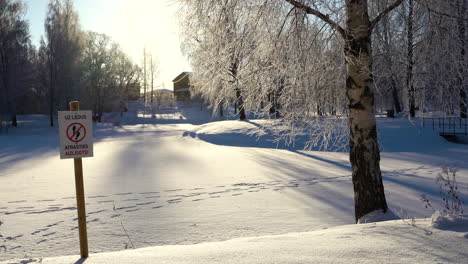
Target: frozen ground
[175,180]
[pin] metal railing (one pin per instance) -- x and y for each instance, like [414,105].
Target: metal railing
[447,125]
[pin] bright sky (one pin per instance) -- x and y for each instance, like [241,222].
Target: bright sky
[134,24]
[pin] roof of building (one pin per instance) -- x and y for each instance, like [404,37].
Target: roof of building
[180,76]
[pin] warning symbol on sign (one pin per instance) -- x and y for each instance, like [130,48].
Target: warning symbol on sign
[76,132]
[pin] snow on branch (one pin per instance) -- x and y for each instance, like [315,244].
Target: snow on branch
[377,19]
[320,15]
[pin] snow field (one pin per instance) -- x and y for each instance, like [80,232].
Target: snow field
[173,181]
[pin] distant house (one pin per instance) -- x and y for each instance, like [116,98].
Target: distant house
[182,86]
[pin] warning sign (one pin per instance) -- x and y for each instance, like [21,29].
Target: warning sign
[76,134]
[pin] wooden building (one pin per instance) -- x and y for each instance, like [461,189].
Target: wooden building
[182,86]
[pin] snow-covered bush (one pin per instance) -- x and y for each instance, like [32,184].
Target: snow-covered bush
[449,192]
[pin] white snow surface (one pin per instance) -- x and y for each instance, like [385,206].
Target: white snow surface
[183,178]
[378,216]
[382,242]
[454,222]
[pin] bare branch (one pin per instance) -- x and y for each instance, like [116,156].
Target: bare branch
[323,17]
[377,19]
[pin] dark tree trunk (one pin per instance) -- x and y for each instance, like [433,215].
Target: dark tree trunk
[396,100]
[52,82]
[462,62]
[221,105]
[388,58]
[14,122]
[239,98]
[410,60]
[369,192]
[274,104]
[51,105]
[240,104]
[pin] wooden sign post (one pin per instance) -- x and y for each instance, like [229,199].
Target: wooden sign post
[80,199]
[76,141]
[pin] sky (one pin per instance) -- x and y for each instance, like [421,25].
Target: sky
[134,24]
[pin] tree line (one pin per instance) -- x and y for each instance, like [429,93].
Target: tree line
[327,66]
[272,53]
[69,64]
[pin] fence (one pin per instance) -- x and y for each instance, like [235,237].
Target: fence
[447,125]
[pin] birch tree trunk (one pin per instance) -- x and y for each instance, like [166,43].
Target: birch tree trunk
[364,148]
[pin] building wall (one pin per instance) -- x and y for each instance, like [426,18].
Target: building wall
[182,83]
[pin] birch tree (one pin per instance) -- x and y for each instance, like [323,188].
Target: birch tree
[354,26]
[363,143]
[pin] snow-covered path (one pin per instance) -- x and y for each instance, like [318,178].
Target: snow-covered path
[167,188]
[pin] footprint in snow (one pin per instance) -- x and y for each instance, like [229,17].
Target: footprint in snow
[96,212]
[123,193]
[148,192]
[107,201]
[154,196]
[97,196]
[125,207]
[145,203]
[19,201]
[173,190]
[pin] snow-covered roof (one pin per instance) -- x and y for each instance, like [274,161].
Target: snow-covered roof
[180,76]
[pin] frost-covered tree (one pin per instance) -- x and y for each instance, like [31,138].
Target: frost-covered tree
[277,46]
[63,47]
[15,55]
[107,73]
[97,70]
[224,30]
[442,77]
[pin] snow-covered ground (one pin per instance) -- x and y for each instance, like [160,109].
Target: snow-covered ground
[382,242]
[176,179]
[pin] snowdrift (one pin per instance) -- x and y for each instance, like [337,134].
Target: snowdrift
[383,242]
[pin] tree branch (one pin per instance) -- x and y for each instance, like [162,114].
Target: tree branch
[384,13]
[323,17]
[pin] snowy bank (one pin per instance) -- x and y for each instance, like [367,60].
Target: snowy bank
[383,242]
